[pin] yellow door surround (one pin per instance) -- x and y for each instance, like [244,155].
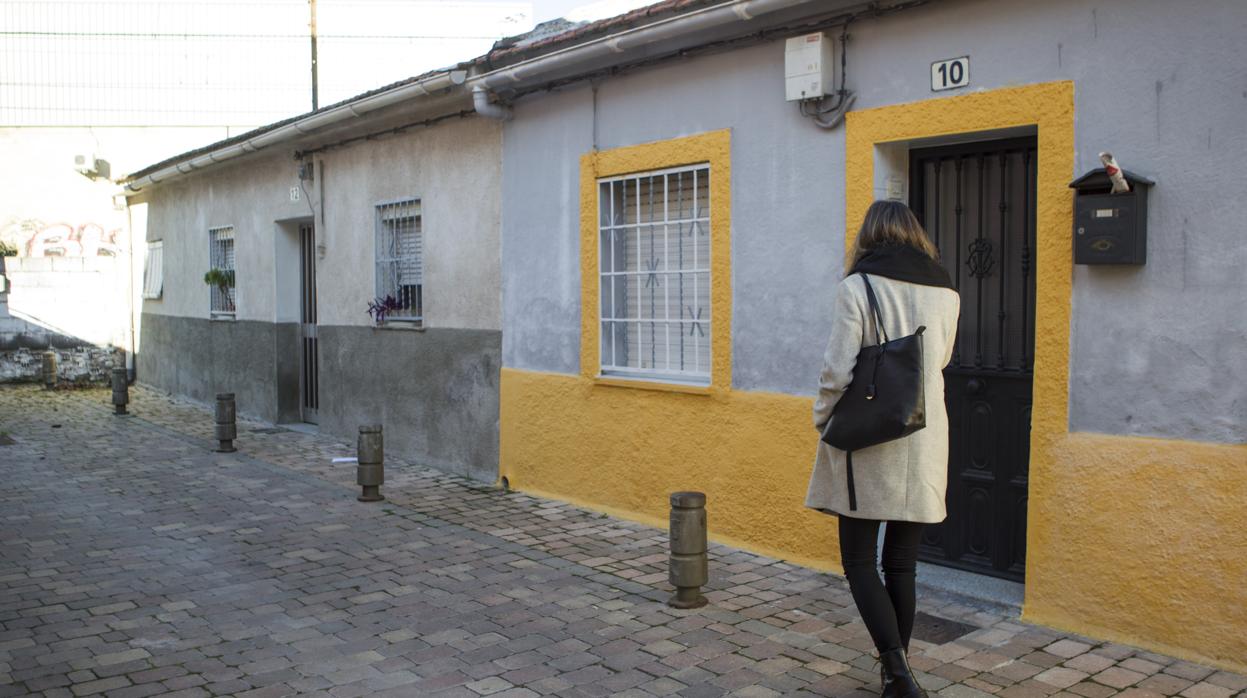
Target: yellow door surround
[1132,539]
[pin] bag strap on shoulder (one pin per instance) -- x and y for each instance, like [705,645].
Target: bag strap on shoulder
[881,335]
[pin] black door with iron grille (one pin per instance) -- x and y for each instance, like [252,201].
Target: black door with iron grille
[309,379]
[977,203]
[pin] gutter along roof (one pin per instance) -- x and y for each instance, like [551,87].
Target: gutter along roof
[506,52]
[514,65]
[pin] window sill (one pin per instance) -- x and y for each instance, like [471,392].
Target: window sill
[649,384]
[222,317]
[401,326]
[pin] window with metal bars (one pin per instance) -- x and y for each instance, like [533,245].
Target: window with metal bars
[654,267]
[400,260]
[224,297]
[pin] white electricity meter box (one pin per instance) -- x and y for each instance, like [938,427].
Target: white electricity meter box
[809,69]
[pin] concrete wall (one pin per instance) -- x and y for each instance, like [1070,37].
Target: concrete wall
[1142,363]
[454,170]
[251,197]
[198,358]
[435,390]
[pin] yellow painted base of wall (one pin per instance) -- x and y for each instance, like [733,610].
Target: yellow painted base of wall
[1144,542]
[623,451]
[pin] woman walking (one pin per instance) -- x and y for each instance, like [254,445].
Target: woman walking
[899,484]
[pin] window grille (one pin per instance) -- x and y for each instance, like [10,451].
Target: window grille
[654,247]
[153,273]
[400,259]
[221,256]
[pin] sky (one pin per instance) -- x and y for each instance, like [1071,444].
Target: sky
[583,9]
[237,62]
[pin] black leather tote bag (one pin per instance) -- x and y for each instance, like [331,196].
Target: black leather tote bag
[885,400]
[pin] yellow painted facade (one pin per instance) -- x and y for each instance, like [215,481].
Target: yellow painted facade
[621,445]
[1130,539]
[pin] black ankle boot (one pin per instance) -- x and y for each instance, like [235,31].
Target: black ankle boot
[898,680]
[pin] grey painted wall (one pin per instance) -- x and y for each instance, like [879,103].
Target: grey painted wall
[453,169]
[434,391]
[1159,84]
[250,196]
[198,358]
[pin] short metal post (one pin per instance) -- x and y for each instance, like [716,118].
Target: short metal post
[688,564]
[370,470]
[121,391]
[49,370]
[225,430]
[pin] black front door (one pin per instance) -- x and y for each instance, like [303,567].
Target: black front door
[309,379]
[977,202]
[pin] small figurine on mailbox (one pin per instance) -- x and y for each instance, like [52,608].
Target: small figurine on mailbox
[1110,228]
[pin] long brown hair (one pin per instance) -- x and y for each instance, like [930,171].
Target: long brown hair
[889,223]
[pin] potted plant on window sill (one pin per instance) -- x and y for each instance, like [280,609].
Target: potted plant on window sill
[379,308]
[223,279]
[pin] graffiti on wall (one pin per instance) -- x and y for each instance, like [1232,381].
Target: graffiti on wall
[34,238]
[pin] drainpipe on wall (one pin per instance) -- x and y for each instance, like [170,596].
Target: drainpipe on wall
[487,109]
[131,364]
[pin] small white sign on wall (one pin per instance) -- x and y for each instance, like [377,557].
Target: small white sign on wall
[294,193]
[949,74]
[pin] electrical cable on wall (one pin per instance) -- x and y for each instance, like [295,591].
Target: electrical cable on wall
[831,116]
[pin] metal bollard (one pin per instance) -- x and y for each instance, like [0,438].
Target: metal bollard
[49,370]
[121,391]
[370,471]
[225,430]
[688,565]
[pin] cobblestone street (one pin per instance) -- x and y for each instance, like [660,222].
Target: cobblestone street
[135,561]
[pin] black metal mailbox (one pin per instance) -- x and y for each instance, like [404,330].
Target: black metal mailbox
[1110,228]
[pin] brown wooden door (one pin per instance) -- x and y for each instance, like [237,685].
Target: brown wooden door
[977,203]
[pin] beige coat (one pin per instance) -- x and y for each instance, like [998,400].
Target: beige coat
[902,480]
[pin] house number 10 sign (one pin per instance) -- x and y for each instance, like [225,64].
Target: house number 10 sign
[954,72]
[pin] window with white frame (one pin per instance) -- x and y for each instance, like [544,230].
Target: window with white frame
[654,266]
[221,284]
[153,272]
[400,260]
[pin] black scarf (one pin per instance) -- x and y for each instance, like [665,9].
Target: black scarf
[903,263]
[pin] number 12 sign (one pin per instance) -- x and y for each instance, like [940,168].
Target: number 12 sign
[954,72]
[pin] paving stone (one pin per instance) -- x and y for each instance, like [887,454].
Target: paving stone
[1090,663]
[147,564]
[1205,689]
[1067,648]
[1060,677]
[1118,677]
[1189,670]
[1090,689]
[99,686]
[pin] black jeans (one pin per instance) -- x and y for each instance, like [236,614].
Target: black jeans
[887,608]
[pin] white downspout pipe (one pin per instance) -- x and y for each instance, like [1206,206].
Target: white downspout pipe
[487,109]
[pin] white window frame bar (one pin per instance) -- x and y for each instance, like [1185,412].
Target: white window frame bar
[700,375]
